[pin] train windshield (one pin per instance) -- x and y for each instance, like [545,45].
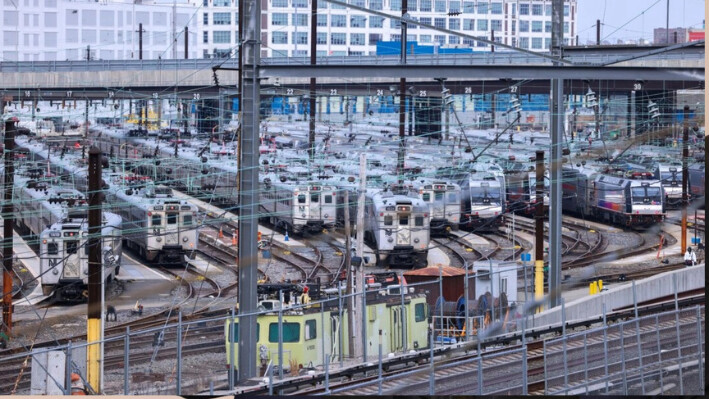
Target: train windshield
[647,195]
[452,198]
[71,247]
[484,195]
[670,177]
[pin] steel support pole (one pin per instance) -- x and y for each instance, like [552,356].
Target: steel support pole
[351,330]
[402,100]
[632,114]
[232,353]
[585,360]
[622,359]
[140,41]
[178,378]
[8,219]
[546,377]
[677,332]
[126,362]
[557,130]
[659,349]
[539,230]
[685,175]
[280,336]
[95,303]
[700,352]
[403,312]
[313,61]
[187,42]
[248,215]
[637,337]
[67,369]
[605,345]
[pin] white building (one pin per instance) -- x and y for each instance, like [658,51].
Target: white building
[41,30]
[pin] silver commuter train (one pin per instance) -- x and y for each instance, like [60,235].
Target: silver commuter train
[298,206]
[443,199]
[160,228]
[398,228]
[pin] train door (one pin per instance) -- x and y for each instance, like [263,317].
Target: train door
[302,207]
[438,207]
[172,225]
[395,338]
[72,263]
[403,231]
[315,203]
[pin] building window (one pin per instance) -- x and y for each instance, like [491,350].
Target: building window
[412,6]
[300,19]
[482,8]
[536,9]
[425,20]
[375,4]
[524,42]
[358,21]
[468,7]
[523,26]
[395,23]
[357,39]
[338,21]
[454,24]
[547,42]
[566,27]
[536,26]
[454,6]
[566,10]
[221,18]
[468,41]
[479,43]
[300,38]
[338,38]
[496,25]
[425,6]
[536,43]
[221,3]
[439,39]
[547,26]
[311,331]
[358,3]
[397,37]
[322,19]
[424,39]
[280,19]
[496,8]
[439,22]
[547,10]
[221,36]
[395,5]
[322,38]
[205,18]
[468,24]
[279,38]
[205,37]
[279,3]
[205,3]
[376,22]
[374,38]
[524,9]
[440,6]
[482,24]
[300,3]
[453,40]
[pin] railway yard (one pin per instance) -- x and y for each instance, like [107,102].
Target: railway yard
[464,224]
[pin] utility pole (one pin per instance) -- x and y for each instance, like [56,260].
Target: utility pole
[539,230]
[86,120]
[598,32]
[402,98]
[174,29]
[140,41]
[492,39]
[667,25]
[88,53]
[557,130]
[685,175]
[350,276]
[95,303]
[8,219]
[313,60]
[360,346]
[187,42]
[248,215]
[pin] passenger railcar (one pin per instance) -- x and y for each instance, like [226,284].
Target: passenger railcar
[306,331]
[443,199]
[487,204]
[522,191]
[398,228]
[696,182]
[612,199]
[298,206]
[671,178]
[162,229]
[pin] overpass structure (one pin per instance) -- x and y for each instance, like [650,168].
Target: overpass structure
[621,68]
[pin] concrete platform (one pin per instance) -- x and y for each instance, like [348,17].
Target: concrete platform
[437,257]
[471,238]
[30,261]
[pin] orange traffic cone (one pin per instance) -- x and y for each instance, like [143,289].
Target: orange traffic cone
[221,233]
[233,239]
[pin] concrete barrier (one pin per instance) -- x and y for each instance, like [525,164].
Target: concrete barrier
[688,279]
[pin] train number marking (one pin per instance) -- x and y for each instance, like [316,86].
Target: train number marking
[289,92]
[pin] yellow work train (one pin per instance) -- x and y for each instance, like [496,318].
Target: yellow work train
[306,342]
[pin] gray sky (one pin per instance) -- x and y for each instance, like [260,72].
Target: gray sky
[616,13]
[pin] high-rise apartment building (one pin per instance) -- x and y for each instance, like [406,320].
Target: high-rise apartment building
[42,30]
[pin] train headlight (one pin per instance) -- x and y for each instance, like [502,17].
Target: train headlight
[55,271]
[390,240]
[302,215]
[416,240]
[327,216]
[184,239]
[158,239]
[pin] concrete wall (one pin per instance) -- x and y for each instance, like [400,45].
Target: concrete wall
[653,287]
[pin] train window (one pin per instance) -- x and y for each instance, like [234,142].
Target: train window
[52,248]
[157,220]
[503,285]
[439,195]
[314,197]
[452,197]
[235,331]
[187,220]
[171,218]
[310,330]
[426,197]
[403,220]
[301,198]
[420,312]
[71,247]
[418,221]
[388,220]
[328,199]
[291,332]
